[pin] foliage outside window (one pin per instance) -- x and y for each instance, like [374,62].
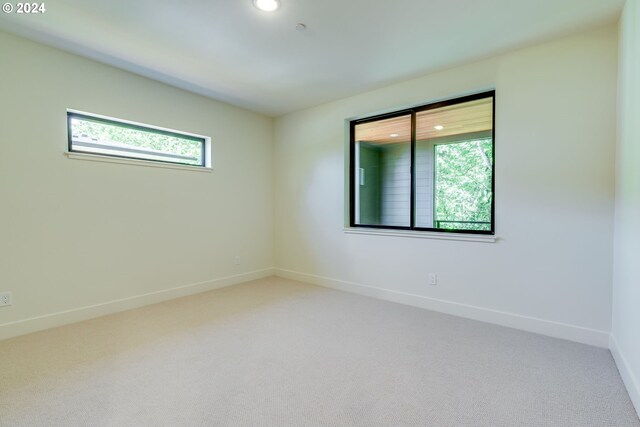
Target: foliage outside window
[463,192]
[427,168]
[110,137]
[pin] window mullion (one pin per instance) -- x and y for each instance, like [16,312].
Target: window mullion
[412,195]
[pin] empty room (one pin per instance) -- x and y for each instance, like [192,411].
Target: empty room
[337,213]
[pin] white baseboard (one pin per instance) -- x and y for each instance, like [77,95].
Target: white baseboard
[511,320]
[33,324]
[630,380]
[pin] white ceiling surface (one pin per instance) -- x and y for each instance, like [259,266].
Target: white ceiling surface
[229,50]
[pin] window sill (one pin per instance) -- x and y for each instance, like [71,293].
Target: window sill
[147,163]
[481,238]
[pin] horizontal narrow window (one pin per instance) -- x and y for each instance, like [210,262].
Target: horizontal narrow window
[427,168]
[118,138]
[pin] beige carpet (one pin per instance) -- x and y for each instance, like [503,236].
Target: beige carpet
[280,353]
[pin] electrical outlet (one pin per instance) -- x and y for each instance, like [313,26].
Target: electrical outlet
[236,260]
[433,279]
[5,298]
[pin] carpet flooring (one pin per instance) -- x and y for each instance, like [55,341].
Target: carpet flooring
[276,352]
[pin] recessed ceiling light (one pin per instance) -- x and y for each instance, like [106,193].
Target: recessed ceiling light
[267,5]
[438,127]
[393,135]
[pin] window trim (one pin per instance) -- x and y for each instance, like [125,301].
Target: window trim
[204,140]
[413,111]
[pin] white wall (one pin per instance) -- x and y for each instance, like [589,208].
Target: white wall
[77,233]
[625,342]
[550,270]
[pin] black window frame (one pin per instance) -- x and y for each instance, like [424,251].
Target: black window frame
[136,126]
[413,111]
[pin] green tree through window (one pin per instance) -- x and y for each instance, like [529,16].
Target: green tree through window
[110,137]
[463,185]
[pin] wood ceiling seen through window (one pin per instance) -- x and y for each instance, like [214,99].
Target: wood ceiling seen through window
[457,119]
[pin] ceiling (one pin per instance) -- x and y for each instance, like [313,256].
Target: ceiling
[451,120]
[229,50]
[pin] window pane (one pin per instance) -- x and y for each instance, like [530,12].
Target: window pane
[97,136]
[453,166]
[463,185]
[382,171]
